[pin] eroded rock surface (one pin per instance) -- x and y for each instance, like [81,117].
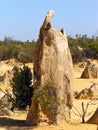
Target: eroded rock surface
[90,71]
[5,104]
[88,93]
[94,118]
[53,76]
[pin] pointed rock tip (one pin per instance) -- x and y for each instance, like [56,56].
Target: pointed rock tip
[51,13]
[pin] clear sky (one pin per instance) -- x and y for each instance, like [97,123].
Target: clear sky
[21,19]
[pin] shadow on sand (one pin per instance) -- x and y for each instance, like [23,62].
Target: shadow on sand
[12,124]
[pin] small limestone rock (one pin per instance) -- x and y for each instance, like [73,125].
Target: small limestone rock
[90,71]
[94,118]
[7,111]
[88,93]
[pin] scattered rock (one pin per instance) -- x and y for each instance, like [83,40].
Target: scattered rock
[94,118]
[5,104]
[6,72]
[82,65]
[88,93]
[94,89]
[90,71]
[84,94]
[7,111]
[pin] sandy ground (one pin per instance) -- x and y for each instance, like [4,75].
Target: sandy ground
[17,120]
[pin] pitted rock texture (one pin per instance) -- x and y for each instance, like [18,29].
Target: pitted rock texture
[53,76]
[90,71]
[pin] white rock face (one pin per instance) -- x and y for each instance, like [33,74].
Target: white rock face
[53,74]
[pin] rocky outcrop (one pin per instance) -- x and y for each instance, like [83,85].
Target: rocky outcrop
[6,72]
[94,89]
[94,118]
[5,104]
[88,93]
[53,76]
[90,71]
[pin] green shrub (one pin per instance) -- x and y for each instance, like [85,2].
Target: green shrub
[46,96]
[22,87]
[22,51]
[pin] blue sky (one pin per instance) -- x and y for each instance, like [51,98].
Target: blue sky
[21,19]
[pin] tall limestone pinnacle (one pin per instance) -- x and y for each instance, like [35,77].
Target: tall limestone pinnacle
[53,76]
